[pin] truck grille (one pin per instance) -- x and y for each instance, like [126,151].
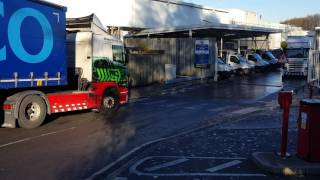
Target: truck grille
[296,67]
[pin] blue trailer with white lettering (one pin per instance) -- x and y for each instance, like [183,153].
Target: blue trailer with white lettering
[32,44]
[34,68]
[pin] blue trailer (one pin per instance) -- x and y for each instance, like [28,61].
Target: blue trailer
[33,65]
[32,44]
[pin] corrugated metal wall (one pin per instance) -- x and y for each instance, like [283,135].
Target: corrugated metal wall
[146,68]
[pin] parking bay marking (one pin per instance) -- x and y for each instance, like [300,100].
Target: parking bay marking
[196,106]
[164,165]
[181,159]
[223,166]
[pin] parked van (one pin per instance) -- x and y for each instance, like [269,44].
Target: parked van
[239,63]
[270,58]
[224,70]
[256,60]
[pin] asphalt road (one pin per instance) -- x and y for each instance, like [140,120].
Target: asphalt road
[74,146]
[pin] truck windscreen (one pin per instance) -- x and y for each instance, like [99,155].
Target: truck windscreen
[118,54]
[297,53]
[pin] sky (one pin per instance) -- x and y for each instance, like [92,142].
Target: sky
[271,10]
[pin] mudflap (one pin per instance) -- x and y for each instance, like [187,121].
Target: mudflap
[9,120]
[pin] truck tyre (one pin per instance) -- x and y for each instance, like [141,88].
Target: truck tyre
[110,103]
[32,112]
[241,72]
[284,77]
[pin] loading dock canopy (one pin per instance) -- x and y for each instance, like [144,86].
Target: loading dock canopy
[226,31]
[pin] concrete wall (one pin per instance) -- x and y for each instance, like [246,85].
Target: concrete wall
[155,13]
[150,68]
[171,13]
[242,16]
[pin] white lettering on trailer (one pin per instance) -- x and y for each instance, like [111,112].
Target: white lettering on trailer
[58,16]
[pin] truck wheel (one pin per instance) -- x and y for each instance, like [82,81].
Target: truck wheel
[241,72]
[110,104]
[284,77]
[32,112]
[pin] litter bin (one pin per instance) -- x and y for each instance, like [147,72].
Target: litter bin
[309,130]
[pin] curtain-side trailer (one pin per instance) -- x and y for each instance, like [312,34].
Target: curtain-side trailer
[37,80]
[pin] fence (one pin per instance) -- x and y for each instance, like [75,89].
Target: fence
[148,66]
[314,68]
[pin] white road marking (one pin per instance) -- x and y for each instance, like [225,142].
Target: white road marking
[106,168]
[120,178]
[200,174]
[190,108]
[226,108]
[223,166]
[246,110]
[193,157]
[195,106]
[172,105]
[164,165]
[35,137]
[135,100]
[189,88]
[133,169]
[154,103]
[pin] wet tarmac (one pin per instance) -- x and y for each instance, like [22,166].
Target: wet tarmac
[75,146]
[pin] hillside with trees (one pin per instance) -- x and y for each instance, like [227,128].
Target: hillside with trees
[307,23]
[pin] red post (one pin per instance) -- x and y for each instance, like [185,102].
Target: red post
[285,101]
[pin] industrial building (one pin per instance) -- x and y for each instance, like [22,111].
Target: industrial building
[165,36]
[162,36]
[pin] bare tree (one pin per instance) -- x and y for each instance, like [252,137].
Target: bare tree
[307,23]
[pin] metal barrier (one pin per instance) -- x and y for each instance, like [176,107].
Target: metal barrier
[314,68]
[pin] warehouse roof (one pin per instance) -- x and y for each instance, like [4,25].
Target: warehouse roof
[231,31]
